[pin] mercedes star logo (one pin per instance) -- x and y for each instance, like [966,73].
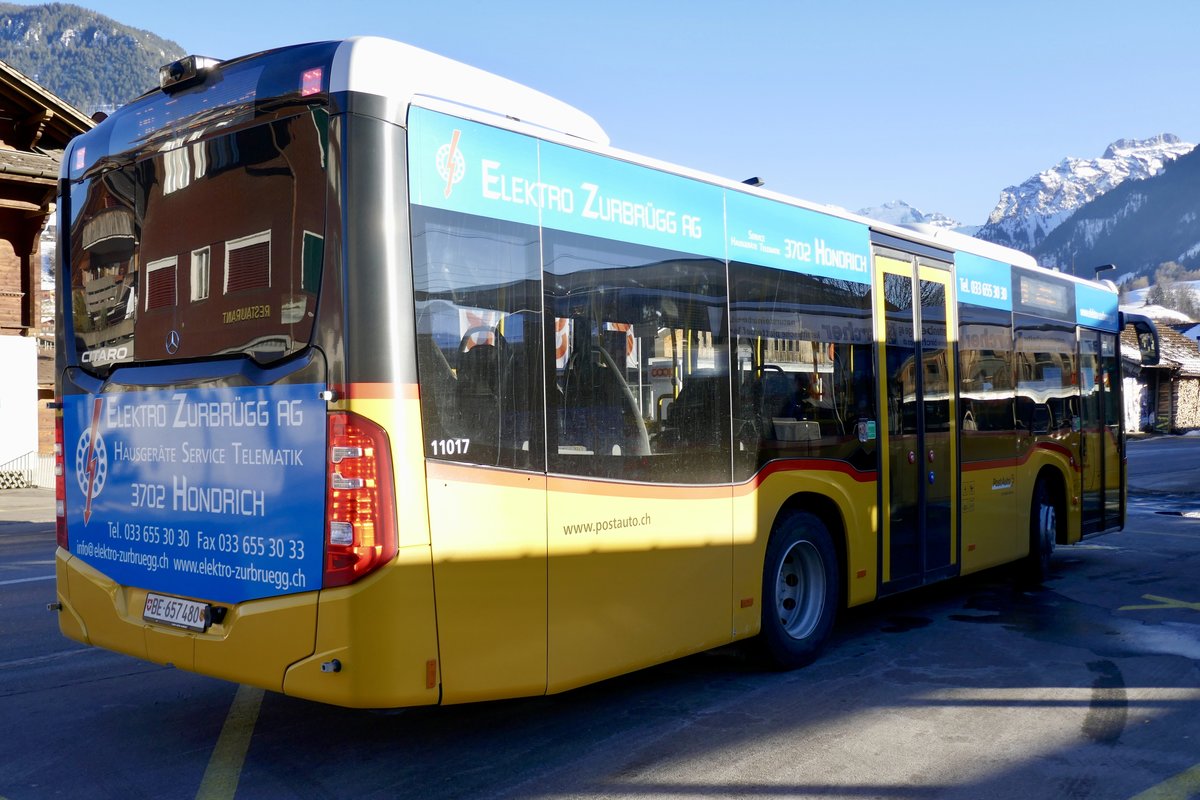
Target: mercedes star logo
[172,342]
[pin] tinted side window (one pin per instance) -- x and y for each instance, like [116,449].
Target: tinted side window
[805,368]
[479,338]
[986,389]
[640,363]
[1047,393]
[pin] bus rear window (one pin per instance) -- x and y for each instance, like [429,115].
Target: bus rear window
[211,246]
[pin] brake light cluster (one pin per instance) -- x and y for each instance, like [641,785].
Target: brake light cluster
[360,517]
[60,486]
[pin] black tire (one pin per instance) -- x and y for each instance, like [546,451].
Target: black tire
[1044,520]
[801,588]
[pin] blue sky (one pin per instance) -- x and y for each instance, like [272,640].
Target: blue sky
[941,104]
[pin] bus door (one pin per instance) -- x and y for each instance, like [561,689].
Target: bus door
[1100,431]
[919,475]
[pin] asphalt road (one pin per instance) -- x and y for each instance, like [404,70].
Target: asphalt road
[1164,465]
[1088,687]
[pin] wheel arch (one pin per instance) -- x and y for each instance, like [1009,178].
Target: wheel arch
[1056,483]
[828,511]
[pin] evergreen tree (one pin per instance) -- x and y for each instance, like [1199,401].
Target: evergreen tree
[1156,295]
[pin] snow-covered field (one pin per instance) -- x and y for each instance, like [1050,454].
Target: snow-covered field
[1136,301]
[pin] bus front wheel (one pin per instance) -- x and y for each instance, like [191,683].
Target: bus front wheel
[1043,532]
[801,586]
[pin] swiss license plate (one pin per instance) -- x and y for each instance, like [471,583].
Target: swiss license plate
[176,612]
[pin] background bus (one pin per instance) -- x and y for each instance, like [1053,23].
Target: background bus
[385,381]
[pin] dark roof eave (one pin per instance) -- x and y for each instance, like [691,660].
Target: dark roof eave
[68,119]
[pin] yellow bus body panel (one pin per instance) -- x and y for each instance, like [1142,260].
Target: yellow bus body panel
[1070,466]
[638,575]
[254,644]
[70,623]
[381,631]
[1057,456]
[991,534]
[757,505]
[489,548]
[398,412]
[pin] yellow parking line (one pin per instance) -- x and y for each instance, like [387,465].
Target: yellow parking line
[1162,602]
[1184,785]
[225,765]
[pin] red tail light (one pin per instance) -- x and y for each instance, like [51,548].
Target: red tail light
[360,528]
[60,485]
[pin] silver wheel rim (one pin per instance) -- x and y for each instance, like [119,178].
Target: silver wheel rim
[1048,523]
[800,590]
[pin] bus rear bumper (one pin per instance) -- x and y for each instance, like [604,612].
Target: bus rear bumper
[254,643]
[375,645]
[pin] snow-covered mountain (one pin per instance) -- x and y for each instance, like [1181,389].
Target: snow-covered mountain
[1138,226]
[898,212]
[1027,213]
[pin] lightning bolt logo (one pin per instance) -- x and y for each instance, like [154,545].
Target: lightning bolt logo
[90,460]
[451,165]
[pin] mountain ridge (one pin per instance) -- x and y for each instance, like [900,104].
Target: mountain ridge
[1028,212]
[1138,225]
[88,59]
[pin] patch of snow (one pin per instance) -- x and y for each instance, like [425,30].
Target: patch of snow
[898,212]
[1163,314]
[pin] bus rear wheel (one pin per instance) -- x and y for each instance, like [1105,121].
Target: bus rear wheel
[801,586]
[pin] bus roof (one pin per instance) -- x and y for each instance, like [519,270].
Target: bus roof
[401,72]
[402,76]
[371,65]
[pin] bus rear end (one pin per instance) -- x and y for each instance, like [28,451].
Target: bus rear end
[227,488]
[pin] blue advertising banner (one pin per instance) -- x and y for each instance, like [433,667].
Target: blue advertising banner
[628,203]
[1095,307]
[464,166]
[983,281]
[476,169]
[213,493]
[775,234]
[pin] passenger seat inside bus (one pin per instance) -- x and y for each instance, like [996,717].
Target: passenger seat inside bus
[600,414]
[699,416]
[439,394]
[480,363]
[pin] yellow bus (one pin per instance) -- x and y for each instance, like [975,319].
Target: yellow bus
[384,381]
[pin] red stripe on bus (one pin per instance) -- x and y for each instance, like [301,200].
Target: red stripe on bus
[999,463]
[652,491]
[810,465]
[1055,447]
[469,473]
[995,463]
